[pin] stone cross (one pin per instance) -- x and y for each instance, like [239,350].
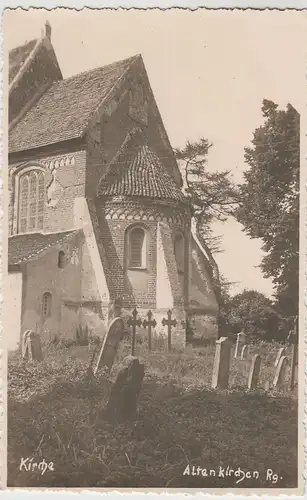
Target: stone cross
[254,372]
[122,404]
[134,322]
[280,353]
[169,323]
[221,365]
[244,351]
[110,344]
[280,372]
[240,341]
[149,323]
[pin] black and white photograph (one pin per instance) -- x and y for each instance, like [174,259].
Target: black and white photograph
[151,287]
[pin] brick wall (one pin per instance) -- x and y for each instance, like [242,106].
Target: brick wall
[69,179]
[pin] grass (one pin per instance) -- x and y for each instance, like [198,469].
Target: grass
[55,411]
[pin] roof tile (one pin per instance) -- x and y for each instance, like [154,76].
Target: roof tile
[64,110]
[137,171]
[24,247]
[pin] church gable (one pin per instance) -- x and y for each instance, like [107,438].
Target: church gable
[130,105]
[33,67]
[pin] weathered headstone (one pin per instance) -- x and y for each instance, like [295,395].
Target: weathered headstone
[253,376]
[32,349]
[221,365]
[110,344]
[122,404]
[280,375]
[280,353]
[244,351]
[241,337]
[293,365]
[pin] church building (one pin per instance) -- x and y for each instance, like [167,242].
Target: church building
[98,223]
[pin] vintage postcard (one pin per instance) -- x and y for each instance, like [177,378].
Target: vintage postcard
[152,321]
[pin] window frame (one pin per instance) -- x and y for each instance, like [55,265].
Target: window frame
[144,250]
[46,301]
[22,173]
[61,259]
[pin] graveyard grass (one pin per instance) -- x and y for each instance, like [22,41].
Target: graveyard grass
[55,412]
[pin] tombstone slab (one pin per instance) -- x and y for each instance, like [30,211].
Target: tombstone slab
[110,344]
[31,346]
[280,353]
[280,375]
[221,365]
[122,404]
[241,338]
[253,376]
[244,351]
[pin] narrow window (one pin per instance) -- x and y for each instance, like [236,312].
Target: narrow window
[137,248]
[61,260]
[31,201]
[46,304]
[179,252]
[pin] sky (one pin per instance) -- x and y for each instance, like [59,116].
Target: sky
[209,72]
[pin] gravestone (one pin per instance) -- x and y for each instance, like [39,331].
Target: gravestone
[241,337]
[244,351]
[221,365]
[31,346]
[253,376]
[280,353]
[122,404]
[110,345]
[280,375]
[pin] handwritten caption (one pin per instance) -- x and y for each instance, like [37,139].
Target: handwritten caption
[224,472]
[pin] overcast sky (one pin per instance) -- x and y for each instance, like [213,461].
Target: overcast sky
[209,71]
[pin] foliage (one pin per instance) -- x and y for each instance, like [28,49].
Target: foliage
[212,195]
[179,423]
[269,200]
[256,314]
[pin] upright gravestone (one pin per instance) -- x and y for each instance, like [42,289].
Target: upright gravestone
[32,349]
[253,376]
[280,353]
[244,351]
[122,404]
[280,375]
[110,344]
[241,337]
[221,365]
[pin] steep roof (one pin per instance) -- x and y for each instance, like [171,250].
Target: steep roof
[137,171]
[18,56]
[25,247]
[65,109]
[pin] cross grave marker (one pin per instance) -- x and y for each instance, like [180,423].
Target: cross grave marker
[148,323]
[169,323]
[134,322]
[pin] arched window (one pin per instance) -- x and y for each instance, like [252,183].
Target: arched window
[61,260]
[137,248]
[46,306]
[31,201]
[179,252]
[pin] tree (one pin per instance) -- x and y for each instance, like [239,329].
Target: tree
[269,200]
[212,195]
[257,314]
